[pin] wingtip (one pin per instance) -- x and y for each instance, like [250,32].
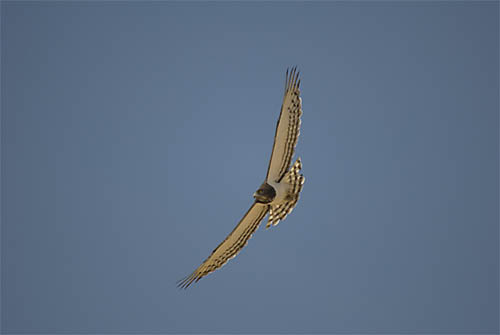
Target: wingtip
[292,77]
[185,282]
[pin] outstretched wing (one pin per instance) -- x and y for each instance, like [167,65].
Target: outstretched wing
[287,129]
[231,246]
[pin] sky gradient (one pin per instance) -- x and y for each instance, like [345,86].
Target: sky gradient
[134,135]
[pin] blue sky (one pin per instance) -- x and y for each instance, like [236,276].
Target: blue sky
[134,135]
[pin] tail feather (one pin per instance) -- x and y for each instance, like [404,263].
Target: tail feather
[293,177]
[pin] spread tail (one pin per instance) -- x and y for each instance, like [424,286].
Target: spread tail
[296,181]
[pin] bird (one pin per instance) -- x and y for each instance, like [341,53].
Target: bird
[278,194]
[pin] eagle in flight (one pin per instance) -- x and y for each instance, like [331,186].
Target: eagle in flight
[280,191]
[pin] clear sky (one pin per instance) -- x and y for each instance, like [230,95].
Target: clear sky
[134,135]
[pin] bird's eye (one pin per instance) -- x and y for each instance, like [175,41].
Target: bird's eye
[259,191]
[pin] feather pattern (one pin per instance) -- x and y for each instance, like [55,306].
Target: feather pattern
[231,246]
[296,181]
[287,128]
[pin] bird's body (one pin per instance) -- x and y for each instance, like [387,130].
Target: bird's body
[280,191]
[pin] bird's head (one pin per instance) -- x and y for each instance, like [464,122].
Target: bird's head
[265,194]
